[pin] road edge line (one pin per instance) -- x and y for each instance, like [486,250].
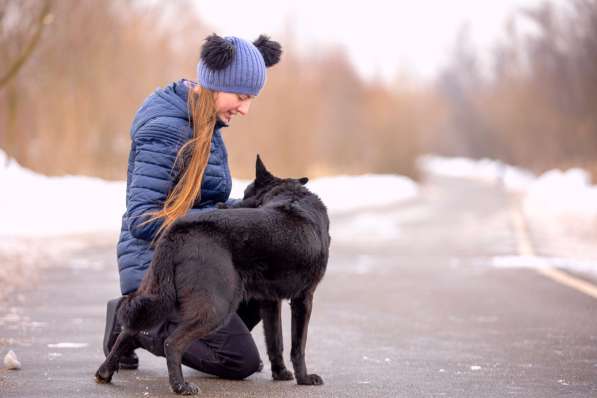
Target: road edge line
[525,248]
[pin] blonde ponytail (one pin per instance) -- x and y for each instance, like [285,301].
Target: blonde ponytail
[202,109]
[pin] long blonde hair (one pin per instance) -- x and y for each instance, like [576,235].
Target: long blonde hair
[202,111]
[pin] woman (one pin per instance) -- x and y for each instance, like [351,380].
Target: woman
[178,164]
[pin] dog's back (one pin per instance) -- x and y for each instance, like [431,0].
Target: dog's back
[279,249]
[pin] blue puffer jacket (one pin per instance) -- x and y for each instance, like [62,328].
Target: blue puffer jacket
[160,128]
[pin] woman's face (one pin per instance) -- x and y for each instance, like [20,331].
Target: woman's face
[231,104]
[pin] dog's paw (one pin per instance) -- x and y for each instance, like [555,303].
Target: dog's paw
[310,380]
[185,389]
[222,205]
[283,374]
[103,376]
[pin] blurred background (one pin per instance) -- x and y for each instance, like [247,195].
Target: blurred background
[453,143]
[361,88]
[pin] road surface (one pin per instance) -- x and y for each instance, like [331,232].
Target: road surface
[409,307]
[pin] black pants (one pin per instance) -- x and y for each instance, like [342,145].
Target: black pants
[229,352]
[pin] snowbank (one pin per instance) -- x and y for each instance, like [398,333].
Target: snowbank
[493,171]
[563,200]
[37,205]
[45,220]
[349,193]
[565,197]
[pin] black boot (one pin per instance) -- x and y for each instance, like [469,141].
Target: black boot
[128,360]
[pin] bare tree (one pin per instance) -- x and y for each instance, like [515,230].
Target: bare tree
[537,109]
[27,35]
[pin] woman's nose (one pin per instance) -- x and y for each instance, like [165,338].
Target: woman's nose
[243,109]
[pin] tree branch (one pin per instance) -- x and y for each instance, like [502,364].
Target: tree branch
[20,61]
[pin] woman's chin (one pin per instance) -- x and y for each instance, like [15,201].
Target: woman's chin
[224,119]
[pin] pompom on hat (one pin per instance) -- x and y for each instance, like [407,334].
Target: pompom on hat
[236,65]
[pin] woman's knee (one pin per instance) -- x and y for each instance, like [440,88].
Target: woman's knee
[244,362]
[244,370]
[229,353]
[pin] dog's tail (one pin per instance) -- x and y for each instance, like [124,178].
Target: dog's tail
[156,297]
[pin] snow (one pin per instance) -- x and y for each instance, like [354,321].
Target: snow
[558,199]
[37,208]
[559,206]
[344,193]
[350,193]
[46,221]
[42,206]
[566,196]
[488,170]
[68,345]
[38,205]
[11,361]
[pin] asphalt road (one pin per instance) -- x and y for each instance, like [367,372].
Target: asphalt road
[409,309]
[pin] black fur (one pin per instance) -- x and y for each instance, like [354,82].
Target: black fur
[272,246]
[269,49]
[217,53]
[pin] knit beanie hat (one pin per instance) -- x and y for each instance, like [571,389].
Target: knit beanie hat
[235,65]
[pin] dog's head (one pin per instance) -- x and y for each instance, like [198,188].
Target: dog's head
[265,182]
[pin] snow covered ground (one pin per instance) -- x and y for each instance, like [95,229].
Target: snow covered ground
[39,206]
[562,199]
[45,219]
[40,215]
[560,208]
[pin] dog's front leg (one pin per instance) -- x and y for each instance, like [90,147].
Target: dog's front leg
[301,312]
[272,327]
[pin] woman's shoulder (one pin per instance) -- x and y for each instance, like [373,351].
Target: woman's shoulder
[167,128]
[165,109]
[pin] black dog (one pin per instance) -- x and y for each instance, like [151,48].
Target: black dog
[273,245]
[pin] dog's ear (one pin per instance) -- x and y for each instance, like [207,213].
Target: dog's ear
[303,180]
[261,173]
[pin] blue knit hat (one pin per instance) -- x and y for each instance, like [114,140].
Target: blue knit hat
[236,65]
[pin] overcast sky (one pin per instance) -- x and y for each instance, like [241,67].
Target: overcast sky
[380,37]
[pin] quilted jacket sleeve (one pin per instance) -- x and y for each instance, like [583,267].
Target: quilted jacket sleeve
[233,202]
[155,147]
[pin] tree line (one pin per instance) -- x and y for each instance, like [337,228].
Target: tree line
[69,108]
[73,73]
[534,103]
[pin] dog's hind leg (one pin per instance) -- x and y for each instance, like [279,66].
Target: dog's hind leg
[125,342]
[174,347]
[272,326]
[301,312]
[176,344]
